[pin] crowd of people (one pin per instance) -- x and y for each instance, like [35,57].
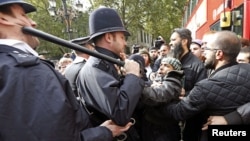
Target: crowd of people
[171,91]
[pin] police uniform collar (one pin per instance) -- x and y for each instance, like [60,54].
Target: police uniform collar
[19,45]
[106,52]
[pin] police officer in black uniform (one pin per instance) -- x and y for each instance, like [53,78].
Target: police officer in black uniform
[107,94]
[71,71]
[36,102]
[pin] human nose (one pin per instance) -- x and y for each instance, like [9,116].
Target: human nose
[205,52]
[33,23]
[161,66]
[170,43]
[125,43]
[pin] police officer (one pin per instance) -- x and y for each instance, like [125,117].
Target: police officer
[72,71]
[107,94]
[36,102]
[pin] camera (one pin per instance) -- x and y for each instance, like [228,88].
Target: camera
[158,42]
[136,48]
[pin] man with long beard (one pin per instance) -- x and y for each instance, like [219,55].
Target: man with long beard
[194,71]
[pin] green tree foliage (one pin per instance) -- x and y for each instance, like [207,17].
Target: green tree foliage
[57,27]
[155,17]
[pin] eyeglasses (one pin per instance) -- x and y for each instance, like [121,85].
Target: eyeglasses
[206,48]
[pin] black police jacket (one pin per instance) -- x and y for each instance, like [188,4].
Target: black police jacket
[37,103]
[105,92]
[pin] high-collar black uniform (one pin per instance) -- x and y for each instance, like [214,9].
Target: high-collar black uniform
[106,92]
[37,103]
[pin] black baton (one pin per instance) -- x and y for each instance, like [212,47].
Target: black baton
[68,44]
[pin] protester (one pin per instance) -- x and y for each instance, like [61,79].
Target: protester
[242,114]
[227,87]
[194,71]
[164,50]
[145,54]
[205,39]
[244,55]
[166,87]
[36,101]
[153,52]
[63,63]
[196,49]
[107,94]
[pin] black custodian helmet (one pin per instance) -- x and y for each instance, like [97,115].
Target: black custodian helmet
[26,6]
[103,20]
[80,40]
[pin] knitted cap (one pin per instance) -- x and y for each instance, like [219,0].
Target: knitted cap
[172,61]
[197,41]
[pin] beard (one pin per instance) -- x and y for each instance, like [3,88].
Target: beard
[209,63]
[177,51]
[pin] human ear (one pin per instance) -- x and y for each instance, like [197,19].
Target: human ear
[219,54]
[108,37]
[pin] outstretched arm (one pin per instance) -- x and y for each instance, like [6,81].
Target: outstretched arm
[164,92]
[239,116]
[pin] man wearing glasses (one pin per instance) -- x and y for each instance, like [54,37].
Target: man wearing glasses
[227,87]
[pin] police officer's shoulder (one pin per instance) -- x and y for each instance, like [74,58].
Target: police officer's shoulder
[24,59]
[102,65]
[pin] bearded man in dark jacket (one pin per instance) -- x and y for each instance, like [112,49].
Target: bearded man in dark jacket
[227,88]
[194,71]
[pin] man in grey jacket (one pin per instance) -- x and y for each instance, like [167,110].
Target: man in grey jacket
[166,87]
